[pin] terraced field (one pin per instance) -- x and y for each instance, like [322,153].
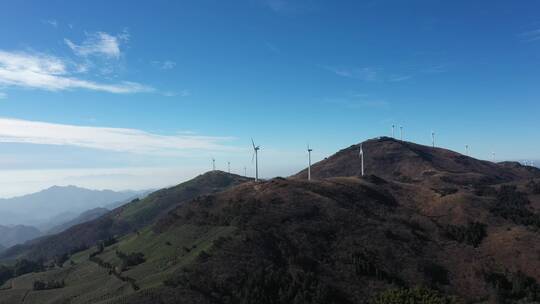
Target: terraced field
[88,282]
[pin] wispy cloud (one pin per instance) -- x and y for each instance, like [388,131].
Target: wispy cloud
[110,139]
[530,36]
[368,74]
[272,47]
[358,101]
[183,93]
[164,65]
[100,43]
[278,6]
[39,71]
[365,73]
[436,68]
[51,22]
[3,95]
[399,78]
[289,6]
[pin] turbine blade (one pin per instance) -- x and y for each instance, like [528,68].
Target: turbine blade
[253,143]
[253,157]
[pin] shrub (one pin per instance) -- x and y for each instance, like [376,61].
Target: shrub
[6,273]
[514,286]
[436,273]
[472,234]
[41,285]
[25,266]
[418,295]
[132,259]
[512,205]
[534,187]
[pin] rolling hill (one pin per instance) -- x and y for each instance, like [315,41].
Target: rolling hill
[127,218]
[425,223]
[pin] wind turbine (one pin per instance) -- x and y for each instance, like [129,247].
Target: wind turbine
[213,164]
[309,162]
[393,127]
[493,156]
[256,158]
[433,138]
[362,158]
[401,133]
[229,167]
[467,150]
[245,171]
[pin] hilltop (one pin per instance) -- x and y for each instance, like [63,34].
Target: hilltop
[464,229]
[404,161]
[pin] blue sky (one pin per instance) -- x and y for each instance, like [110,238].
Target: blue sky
[124,94]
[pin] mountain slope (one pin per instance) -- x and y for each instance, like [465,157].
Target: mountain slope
[82,218]
[127,218]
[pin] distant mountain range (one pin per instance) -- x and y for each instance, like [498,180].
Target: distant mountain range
[54,210]
[424,225]
[55,205]
[13,235]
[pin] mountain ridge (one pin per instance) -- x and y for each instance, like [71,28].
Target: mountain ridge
[55,201]
[419,217]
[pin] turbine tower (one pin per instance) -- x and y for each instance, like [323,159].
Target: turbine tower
[433,138]
[362,158]
[467,150]
[229,167]
[393,128]
[309,162]
[245,171]
[256,158]
[401,133]
[493,156]
[213,164]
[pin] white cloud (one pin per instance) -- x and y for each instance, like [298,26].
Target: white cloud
[99,43]
[3,95]
[366,73]
[110,139]
[164,65]
[51,22]
[530,36]
[183,93]
[399,78]
[167,65]
[38,71]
